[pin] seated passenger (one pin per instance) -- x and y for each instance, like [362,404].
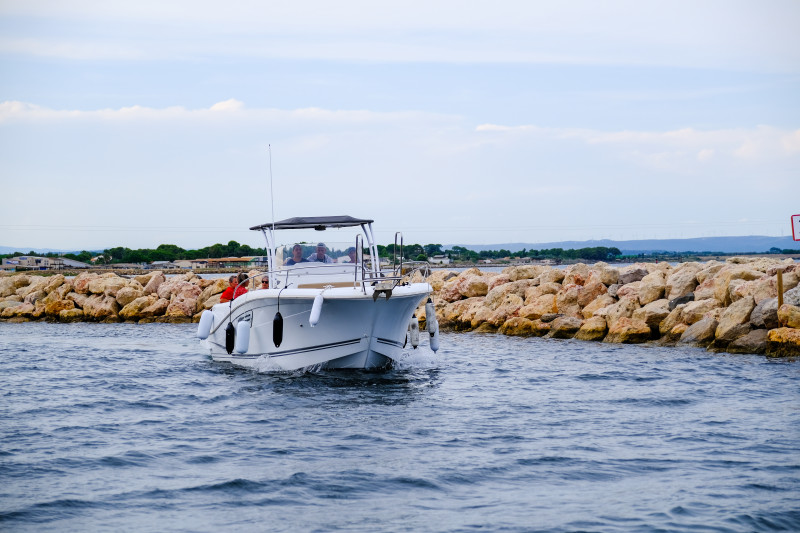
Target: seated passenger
[264,283]
[351,253]
[234,290]
[297,256]
[320,256]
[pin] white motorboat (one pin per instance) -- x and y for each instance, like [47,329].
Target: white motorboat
[321,310]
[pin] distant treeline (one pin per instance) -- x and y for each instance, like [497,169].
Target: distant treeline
[171,252]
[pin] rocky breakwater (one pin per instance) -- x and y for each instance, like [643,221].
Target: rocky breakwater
[108,297]
[730,306]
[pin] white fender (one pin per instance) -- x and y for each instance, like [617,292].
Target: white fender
[413,329]
[242,337]
[435,339]
[316,310]
[204,327]
[430,317]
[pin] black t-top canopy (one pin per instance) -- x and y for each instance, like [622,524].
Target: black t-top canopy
[318,223]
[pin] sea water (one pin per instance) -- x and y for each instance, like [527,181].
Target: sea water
[122,427]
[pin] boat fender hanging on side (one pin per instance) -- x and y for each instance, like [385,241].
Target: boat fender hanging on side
[204,327]
[413,328]
[277,329]
[435,339]
[316,310]
[230,336]
[431,323]
[242,336]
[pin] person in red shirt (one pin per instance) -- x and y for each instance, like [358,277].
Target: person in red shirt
[233,292]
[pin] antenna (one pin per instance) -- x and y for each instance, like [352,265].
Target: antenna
[271,194]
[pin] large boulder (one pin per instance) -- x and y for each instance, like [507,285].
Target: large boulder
[564,327]
[436,280]
[792,297]
[783,342]
[735,321]
[700,333]
[592,329]
[133,310]
[789,316]
[517,326]
[590,292]
[54,308]
[694,311]
[601,302]
[81,282]
[607,275]
[576,274]
[631,273]
[217,287]
[682,280]
[100,307]
[653,313]
[35,284]
[765,314]
[753,342]
[629,290]
[628,331]
[567,300]
[507,308]
[107,284]
[760,289]
[496,296]
[155,281]
[469,284]
[708,271]
[126,295]
[673,319]
[551,275]
[615,312]
[543,305]
[9,285]
[652,287]
[705,290]
[724,277]
[516,273]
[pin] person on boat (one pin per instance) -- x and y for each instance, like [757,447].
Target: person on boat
[320,256]
[351,253]
[264,283]
[297,256]
[234,290]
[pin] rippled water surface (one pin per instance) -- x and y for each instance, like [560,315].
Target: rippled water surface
[119,427]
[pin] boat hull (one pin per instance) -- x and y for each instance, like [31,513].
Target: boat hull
[354,329]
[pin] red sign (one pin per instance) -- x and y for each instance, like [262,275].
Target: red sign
[796,227]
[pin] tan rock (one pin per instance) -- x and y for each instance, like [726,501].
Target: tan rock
[734,322]
[700,333]
[564,327]
[576,274]
[107,284]
[35,296]
[675,333]
[730,272]
[517,326]
[615,312]
[652,287]
[496,296]
[155,281]
[54,308]
[9,285]
[438,278]
[70,315]
[607,275]
[217,287]
[99,307]
[694,311]
[543,305]
[592,329]
[540,328]
[496,281]
[35,284]
[631,273]
[126,295]
[79,299]
[628,331]
[81,282]
[214,300]
[705,290]
[653,313]
[589,292]
[54,282]
[682,280]
[156,309]
[673,319]
[760,289]
[629,290]
[783,342]
[551,275]
[708,271]
[567,301]
[789,316]
[133,310]
[602,301]
[516,273]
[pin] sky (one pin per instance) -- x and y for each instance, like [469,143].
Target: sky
[456,122]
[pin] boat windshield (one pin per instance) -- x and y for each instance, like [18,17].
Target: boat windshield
[288,255]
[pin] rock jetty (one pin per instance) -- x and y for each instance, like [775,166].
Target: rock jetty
[108,297]
[730,306]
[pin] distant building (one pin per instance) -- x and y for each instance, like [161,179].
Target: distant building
[30,262]
[439,260]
